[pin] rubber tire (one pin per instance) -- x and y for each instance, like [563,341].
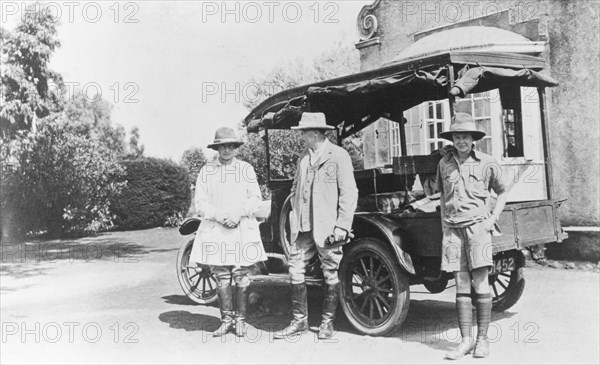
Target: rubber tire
[512,294]
[400,285]
[438,286]
[183,256]
[284,217]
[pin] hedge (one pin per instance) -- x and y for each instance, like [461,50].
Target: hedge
[56,182]
[156,190]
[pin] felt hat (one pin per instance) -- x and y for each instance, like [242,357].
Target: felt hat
[313,121]
[225,135]
[463,123]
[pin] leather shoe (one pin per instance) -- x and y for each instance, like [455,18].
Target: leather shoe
[299,322]
[226,327]
[482,348]
[241,327]
[325,330]
[464,348]
[296,326]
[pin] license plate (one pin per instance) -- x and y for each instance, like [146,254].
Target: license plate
[503,264]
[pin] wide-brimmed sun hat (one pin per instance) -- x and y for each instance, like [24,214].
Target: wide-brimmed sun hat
[225,135]
[463,123]
[313,121]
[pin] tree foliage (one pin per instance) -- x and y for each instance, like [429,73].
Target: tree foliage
[29,89]
[59,156]
[338,61]
[135,149]
[156,190]
[285,146]
[93,119]
[57,181]
[193,159]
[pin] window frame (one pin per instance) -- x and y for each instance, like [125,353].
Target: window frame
[426,140]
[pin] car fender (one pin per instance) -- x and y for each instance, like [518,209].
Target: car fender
[382,227]
[189,226]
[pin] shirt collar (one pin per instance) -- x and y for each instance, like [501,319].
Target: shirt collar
[454,154]
[218,162]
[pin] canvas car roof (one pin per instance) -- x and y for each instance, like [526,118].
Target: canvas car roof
[353,102]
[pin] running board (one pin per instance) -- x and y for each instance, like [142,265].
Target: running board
[285,278]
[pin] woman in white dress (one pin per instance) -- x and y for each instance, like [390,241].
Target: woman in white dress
[228,240]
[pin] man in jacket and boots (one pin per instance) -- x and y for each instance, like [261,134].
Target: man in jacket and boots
[228,240]
[464,178]
[323,198]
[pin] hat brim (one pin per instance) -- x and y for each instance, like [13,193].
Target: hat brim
[324,127]
[215,146]
[477,135]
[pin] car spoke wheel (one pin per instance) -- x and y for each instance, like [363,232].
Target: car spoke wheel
[507,288]
[196,280]
[374,288]
[284,227]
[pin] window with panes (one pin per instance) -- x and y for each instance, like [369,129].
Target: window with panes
[435,122]
[413,136]
[395,139]
[512,121]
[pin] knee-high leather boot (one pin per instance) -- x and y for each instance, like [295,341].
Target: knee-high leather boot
[225,295]
[299,322]
[330,302]
[241,303]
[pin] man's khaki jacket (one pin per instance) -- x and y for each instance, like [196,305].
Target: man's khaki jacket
[334,193]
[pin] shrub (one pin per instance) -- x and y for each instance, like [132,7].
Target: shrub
[156,190]
[193,159]
[174,220]
[56,181]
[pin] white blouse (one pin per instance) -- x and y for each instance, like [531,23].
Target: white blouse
[227,188]
[222,189]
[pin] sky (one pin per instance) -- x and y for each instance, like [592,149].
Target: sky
[178,70]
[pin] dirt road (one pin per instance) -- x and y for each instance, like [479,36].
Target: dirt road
[115,299]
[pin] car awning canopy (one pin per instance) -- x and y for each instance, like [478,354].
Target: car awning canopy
[355,101]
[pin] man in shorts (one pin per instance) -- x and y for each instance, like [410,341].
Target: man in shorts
[464,178]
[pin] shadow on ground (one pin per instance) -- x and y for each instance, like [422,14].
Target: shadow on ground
[268,309]
[19,260]
[188,321]
[434,324]
[184,300]
[430,322]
